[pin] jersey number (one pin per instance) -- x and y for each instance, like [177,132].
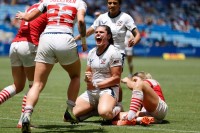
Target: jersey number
[64,15]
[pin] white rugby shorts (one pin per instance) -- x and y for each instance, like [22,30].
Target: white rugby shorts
[22,54]
[160,112]
[128,51]
[54,48]
[92,96]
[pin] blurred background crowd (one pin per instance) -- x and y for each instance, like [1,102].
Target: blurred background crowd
[179,14]
[174,23]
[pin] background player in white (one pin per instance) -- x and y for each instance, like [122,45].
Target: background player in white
[22,54]
[129,54]
[119,22]
[103,72]
[56,43]
[146,92]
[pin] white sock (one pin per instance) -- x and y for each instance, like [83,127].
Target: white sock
[70,104]
[116,111]
[121,106]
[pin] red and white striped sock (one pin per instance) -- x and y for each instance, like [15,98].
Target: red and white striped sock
[24,98]
[28,109]
[24,103]
[7,93]
[22,111]
[136,102]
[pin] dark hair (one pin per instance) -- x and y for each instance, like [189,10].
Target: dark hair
[109,33]
[120,1]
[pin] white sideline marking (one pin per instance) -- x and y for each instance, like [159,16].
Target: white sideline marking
[143,128]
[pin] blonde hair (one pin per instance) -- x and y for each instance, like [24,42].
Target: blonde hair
[143,75]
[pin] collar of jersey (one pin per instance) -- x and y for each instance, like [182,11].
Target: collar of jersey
[113,16]
[103,51]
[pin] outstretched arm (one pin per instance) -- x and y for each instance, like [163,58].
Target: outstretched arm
[89,32]
[28,16]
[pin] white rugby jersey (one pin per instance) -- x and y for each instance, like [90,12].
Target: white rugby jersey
[101,64]
[61,14]
[119,26]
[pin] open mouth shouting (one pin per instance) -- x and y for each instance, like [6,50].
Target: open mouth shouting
[99,39]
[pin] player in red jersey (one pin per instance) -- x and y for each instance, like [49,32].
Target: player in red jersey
[57,44]
[22,54]
[146,92]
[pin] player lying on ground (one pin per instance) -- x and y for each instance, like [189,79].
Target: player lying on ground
[146,93]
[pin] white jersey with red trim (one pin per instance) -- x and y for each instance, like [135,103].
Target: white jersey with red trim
[119,26]
[61,14]
[101,64]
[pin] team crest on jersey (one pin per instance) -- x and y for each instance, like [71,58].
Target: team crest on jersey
[119,23]
[103,61]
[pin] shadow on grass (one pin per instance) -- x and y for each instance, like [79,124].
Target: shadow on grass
[69,128]
[165,122]
[108,123]
[82,127]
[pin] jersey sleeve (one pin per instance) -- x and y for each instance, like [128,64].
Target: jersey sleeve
[130,24]
[89,57]
[96,22]
[82,5]
[116,58]
[42,6]
[152,82]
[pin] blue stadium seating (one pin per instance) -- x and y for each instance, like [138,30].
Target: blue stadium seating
[157,32]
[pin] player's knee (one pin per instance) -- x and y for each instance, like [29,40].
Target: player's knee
[106,114]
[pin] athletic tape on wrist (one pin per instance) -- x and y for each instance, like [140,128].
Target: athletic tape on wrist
[83,40]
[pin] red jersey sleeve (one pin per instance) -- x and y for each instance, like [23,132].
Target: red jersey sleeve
[31,31]
[156,87]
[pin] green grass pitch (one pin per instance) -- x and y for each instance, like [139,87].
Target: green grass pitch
[180,81]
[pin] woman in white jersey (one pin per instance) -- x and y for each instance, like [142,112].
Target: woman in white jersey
[119,22]
[129,54]
[56,44]
[102,76]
